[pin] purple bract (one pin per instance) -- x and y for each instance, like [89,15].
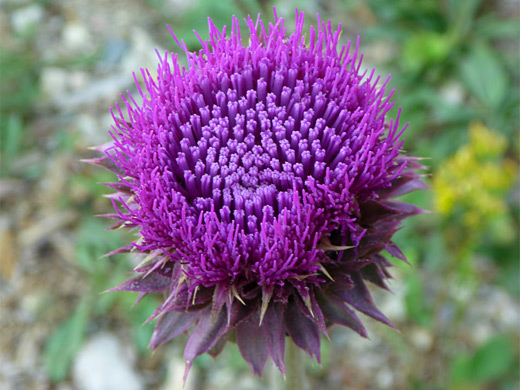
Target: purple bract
[259,180]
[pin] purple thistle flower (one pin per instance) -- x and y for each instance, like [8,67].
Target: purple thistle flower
[259,180]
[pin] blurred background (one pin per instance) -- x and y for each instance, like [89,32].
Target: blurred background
[455,67]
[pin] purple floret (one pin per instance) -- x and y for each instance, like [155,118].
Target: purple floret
[259,179]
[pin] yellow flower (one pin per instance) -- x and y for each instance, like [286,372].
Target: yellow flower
[473,182]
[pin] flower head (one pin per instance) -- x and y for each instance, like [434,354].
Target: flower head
[259,180]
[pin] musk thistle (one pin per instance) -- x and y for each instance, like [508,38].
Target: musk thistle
[259,180]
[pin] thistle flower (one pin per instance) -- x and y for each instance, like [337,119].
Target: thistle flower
[259,180]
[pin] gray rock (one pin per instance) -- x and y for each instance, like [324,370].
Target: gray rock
[53,82]
[104,364]
[174,379]
[76,38]
[26,18]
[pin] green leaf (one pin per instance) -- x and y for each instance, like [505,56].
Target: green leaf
[220,13]
[425,48]
[485,77]
[445,112]
[65,342]
[445,144]
[18,80]
[460,369]
[93,242]
[385,31]
[137,315]
[492,27]
[415,302]
[493,359]
[462,16]
[466,8]
[13,135]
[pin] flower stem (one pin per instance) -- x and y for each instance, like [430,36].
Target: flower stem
[294,367]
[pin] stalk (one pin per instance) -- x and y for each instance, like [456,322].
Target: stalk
[295,378]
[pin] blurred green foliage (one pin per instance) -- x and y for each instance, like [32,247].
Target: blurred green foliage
[19,89]
[65,342]
[493,361]
[455,67]
[101,274]
[444,45]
